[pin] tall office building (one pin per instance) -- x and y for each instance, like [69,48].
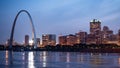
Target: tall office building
[26,40]
[38,42]
[81,37]
[95,30]
[62,40]
[95,26]
[71,39]
[105,28]
[108,36]
[119,37]
[91,39]
[48,39]
[105,35]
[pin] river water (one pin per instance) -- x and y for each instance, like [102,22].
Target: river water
[40,59]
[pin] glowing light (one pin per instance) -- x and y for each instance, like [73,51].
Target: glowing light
[23,56]
[44,59]
[68,57]
[31,60]
[31,42]
[6,56]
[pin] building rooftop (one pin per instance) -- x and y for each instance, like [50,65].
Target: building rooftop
[95,20]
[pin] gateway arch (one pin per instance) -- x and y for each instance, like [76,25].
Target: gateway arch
[32,25]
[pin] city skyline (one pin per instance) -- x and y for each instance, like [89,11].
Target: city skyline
[97,35]
[57,17]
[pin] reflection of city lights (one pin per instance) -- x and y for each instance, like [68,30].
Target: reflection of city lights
[81,59]
[118,60]
[44,59]
[31,60]
[6,56]
[68,57]
[23,56]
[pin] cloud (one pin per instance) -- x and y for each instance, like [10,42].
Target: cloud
[65,16]
[111,17]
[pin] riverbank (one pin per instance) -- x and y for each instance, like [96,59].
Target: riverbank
[103,48]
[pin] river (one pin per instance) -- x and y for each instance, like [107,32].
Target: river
[40,59]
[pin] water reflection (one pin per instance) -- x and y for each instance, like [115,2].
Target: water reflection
[60,60]
[44,57]
[6,56]
[68,57]
[80,58]
[119,61]
[68,60]
[31,60]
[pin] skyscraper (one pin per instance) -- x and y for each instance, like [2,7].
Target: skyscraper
[26,39]
[119,37]
[71,39]
[48,39]
[91,39]
[81,37]
[38,42]
[105,28]
[62,40]
[95,30]
[108,36]
[105,35]
[95,26]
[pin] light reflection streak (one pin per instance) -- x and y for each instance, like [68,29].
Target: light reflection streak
[6,56]
[23,56]
[44,59]
[119,60]
[81,58]
[68,60]
[31,60]
[68,57]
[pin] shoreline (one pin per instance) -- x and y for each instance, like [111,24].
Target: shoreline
[83,51]
[92,48]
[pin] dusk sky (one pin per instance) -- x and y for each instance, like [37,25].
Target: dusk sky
[56,16]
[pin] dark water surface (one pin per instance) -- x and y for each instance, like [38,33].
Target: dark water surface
[42,59]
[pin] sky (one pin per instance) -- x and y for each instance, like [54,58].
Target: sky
[60,17]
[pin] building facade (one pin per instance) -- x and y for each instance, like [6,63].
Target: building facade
[95,26]
[105,35]
[108,36]
[71,39]
[119,37]
[38,42]
[91,39]
[62,40]
[26,40]
[95,31]
[48,39]
[81,37]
